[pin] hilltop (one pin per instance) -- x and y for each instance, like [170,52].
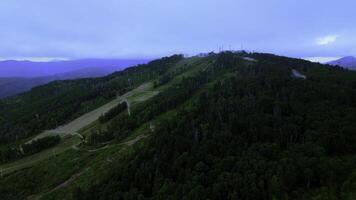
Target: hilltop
[346,62]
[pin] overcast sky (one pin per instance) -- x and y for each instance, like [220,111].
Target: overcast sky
[75,29]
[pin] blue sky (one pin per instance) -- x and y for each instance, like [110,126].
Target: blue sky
[72,29]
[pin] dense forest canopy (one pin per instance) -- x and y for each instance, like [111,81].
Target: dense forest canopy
[258,134]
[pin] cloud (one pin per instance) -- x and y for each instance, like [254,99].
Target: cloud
[34,59]
[329,39]
[136,28]
[321,59]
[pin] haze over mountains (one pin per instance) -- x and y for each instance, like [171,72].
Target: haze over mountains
[13,68]
[20,76]
[346,62]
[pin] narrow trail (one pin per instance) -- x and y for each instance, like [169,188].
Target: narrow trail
[62,185]
[75,147]
[128,106]
[79,135]
[76,175]
[98,149]
[127,143]
[249,59]
[297,74]
[136,139]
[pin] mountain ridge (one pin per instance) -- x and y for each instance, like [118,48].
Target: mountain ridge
[348,62]
[10,86]
[20,76]
[30,69]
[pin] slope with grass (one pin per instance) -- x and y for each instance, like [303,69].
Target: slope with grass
[70,132]
[70,142]
[143,92]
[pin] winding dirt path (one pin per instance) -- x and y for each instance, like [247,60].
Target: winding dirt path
[76,175]
[128,106]
[62,185]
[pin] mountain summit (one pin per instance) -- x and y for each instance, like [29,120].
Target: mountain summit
[346,62]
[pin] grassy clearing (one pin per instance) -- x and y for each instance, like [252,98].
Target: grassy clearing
[184,62]
[67,143]
[134,97]
[46,174]
[194,64]
[90,117]
[105,158]
[87,129]
[96,170]
[141,96]
[57,176]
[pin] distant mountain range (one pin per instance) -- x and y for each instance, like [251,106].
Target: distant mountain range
[12,68]
[348,62]
[20,76]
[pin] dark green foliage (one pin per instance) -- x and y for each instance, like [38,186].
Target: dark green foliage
[162,80]
[260,134]
[99,137]
[40,144]
[10,132]
[9,153]
[164,101]
[113,112]
[13,152]
[38,180]
[165,78]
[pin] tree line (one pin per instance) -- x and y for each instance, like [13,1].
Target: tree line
[13,152]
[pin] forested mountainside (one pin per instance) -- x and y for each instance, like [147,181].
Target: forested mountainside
[232,125]
[53,104]
[16,85]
